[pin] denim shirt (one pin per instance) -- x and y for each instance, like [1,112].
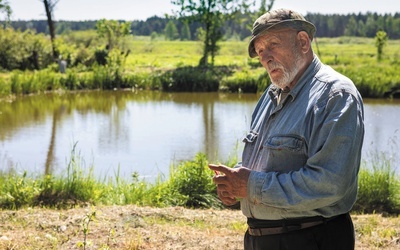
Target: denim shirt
[305,152]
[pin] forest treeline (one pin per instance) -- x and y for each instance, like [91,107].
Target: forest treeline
[328,25]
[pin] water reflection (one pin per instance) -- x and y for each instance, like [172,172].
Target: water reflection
[132,131]
[143,131]
[382,124]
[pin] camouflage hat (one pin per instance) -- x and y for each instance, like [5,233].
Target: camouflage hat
[276,19]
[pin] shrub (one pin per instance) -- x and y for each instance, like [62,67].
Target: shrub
[192,181]
[190,79]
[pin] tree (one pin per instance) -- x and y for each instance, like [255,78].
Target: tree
[380,42]
[113,31]
[113,54]
[264,7]
[370,26]
[211,14]
[361,28]
[396,27]
[171,32]
[351,27]
[49,7]
[185,32]
[5,7]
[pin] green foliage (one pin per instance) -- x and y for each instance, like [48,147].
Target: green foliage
[34,82]
[189,184]
[355,57]
[102,77]
[76,188]
[78,48]
[379,187]
[246,81]
[328,25]
[171,32]
[190,79]
[5,8]
[100,56]
[192,181]
[185,32]
[168,65]
[87,219]
[122,191]
[23,50]
[212,14]
[113,31]
[16,191]
[5,88]
[380,42]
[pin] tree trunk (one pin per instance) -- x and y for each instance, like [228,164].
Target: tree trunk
[49,11]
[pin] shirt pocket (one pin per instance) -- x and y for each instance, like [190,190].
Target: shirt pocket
[286,152]
[291,143]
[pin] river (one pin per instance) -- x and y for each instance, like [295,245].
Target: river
[121,132]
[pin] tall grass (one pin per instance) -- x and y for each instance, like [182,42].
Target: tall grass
[77,187]
[379,186]
[189,184]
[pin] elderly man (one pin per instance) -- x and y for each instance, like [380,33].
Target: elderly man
[297,180]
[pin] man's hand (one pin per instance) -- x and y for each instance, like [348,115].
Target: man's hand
[231,182]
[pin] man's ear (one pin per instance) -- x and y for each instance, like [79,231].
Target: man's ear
[304,40]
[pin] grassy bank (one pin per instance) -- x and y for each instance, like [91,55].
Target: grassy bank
[189,185]
[115,213]
[171,66]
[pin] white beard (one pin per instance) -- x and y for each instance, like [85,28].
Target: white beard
[285,81]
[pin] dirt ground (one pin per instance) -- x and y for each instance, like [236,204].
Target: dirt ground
[133,227]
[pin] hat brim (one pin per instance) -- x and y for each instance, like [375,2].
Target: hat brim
[300,25]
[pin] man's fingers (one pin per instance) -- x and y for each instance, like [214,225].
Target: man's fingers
[219,168]
[221,179]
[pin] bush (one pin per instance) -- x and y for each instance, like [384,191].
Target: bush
[246,82]
[192,181]
[190,79]
[24,50]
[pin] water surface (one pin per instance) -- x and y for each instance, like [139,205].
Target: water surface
[144,132]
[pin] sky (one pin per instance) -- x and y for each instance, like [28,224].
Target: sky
[129,10]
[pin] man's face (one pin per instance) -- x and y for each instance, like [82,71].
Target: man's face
[279,52]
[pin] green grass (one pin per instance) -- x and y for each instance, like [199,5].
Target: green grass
[189,184]
[379,186]
[163,64]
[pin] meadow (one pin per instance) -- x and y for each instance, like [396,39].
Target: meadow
[172,66]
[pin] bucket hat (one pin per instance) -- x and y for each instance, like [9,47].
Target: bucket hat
[278,19]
